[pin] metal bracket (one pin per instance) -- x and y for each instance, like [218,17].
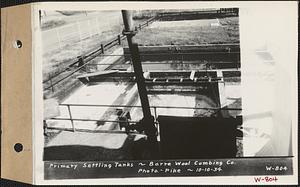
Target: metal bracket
[129,33]
[142,126]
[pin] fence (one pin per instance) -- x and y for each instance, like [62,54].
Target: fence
[155,115]
[77,32]
[86,58]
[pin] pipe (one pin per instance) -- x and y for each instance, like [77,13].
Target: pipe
[148,120]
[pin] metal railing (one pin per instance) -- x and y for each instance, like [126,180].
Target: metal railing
[71,119]
[93,54]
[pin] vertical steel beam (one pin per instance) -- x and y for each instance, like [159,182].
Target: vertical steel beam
[140,80]
[148,120]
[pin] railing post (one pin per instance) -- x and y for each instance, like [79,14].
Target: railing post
[155,114]
[71,119]
[81,62]
[102,48]
[51,83]
[45,126]
[119,39]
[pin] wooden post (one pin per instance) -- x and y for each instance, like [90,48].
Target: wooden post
[119,39]
[40,17]
[51,83]
[45,126]
[102,48]
[80,61]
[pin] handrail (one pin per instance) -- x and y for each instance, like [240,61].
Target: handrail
[137,106]
[77,119]
[71,119]
[97,131]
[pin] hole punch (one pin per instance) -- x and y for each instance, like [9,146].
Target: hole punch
[18,44]
[18,147]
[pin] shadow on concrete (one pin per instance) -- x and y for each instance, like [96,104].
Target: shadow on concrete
[130,150]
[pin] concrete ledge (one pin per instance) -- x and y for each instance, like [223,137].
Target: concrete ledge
[230,47]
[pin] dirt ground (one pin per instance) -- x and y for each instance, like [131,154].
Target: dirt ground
[77,34]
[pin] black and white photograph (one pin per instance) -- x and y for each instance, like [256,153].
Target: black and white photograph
[156,93]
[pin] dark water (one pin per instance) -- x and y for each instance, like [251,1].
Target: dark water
[179,65]
[189,61]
